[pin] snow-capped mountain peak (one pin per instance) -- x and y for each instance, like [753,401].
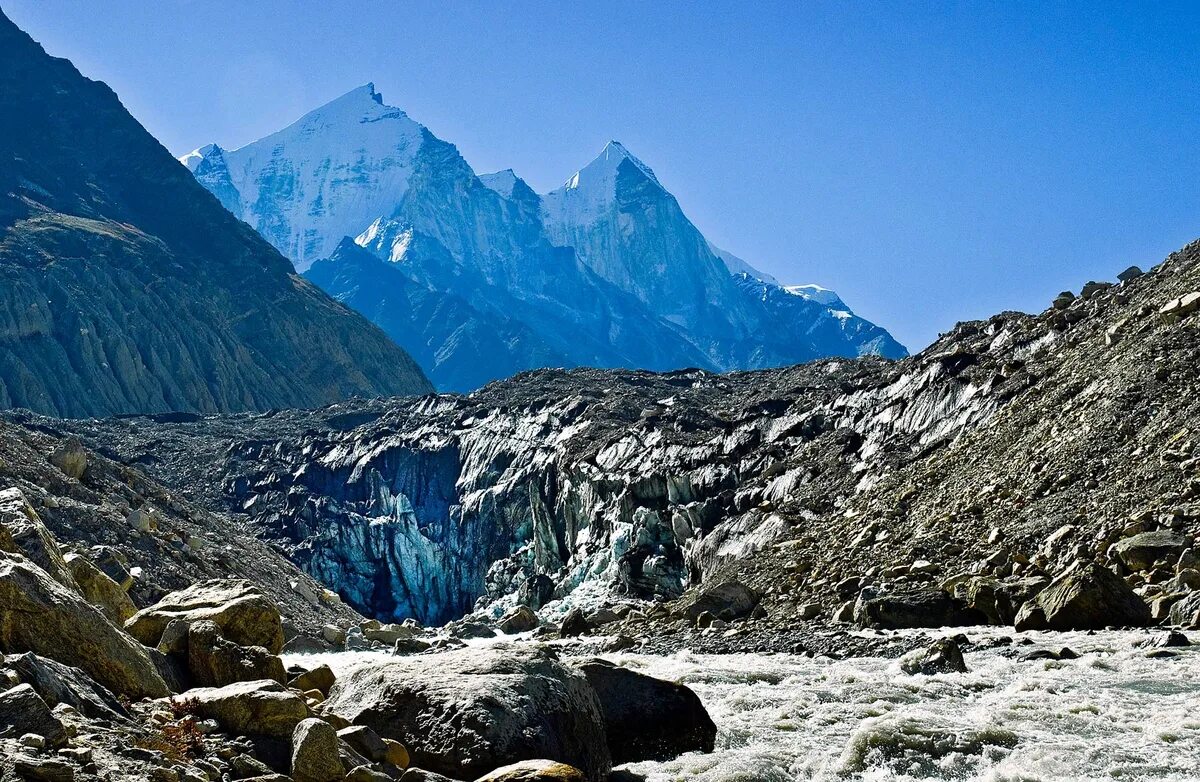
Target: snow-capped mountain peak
[325,176]
[502,182]
[588,193]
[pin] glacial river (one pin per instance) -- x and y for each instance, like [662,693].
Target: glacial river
[1112,714]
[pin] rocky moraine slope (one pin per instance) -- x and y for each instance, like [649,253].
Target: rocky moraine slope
[1001,457]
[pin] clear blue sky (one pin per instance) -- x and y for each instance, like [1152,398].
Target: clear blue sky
[931,162]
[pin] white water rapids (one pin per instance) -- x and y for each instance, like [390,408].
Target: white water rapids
[1112,714]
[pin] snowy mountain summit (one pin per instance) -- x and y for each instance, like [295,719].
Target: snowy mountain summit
[480,277]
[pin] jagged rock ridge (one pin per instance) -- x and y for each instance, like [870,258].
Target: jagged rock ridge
[125,287]
[480,277]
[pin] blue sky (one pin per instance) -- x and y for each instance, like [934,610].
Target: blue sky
[931,162]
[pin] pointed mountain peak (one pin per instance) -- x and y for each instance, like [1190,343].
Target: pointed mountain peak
[503,182]
[603,169]
[197,156]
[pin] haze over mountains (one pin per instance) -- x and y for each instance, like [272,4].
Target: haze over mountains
[125,287]
[479,277]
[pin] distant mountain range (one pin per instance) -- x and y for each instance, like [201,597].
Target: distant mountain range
[479,277]
[125,287]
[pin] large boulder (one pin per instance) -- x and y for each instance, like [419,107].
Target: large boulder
[315,752]
[214,661]
[100,590]
[1000,599]
[1141,552]
[261,708]
[25,533]
[647,718]
[724,600]
[1089,597]
[245,615]
[914,608]
[466,712]
[1186,612]
[40,615]
[519,620]
[535,771]
[57,683]
[22,710]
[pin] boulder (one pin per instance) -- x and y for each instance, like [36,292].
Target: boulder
[1186,611]
[535,771]
[31,537]
[214,661]
[1089,597]
[574,624]
[320,678]
[1000,599]
[42,769]
[22,710]
[725,600]
[57,683]
[40,615]
[1140,552]
[315,752]
[914,608]
[365,742]
[463,713]
[647,718]
[100,590]
[244,614]
[943,656]
[71,458]
[112,564]
[261,708]
[519,620]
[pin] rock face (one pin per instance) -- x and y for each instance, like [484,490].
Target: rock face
[37,614]
[125,287]
[214,661]
[480,278]
[1089,598]
[647,718]
[467,712]
[237,607]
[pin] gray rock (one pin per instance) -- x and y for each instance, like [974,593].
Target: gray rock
[22,710]
[214,661]
[519,620]
[40,615]
[21,527]
[264,708]
[943,656]
[100,590]
[1090,597]
[647,718]
[466,712]
[315,752]
[243,613]
[725,600]
[574,624]
[57,683]
[914,608]
[1141,552]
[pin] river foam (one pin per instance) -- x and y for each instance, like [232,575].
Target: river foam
[1111,714]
